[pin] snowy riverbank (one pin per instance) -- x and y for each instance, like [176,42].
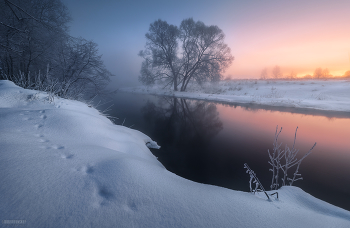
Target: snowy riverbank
[62,164]
[330,95]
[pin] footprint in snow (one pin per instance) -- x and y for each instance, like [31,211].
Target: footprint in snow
[57,147]
[42,111]
[67,156]
[43,140]
[43,117]
[86,169]
[89,169]
[132,206]
[105,194]
[37,126]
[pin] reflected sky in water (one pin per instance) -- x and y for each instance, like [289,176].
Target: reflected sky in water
[325,171]
[209,142]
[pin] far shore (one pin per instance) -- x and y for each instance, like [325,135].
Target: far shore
[329,98]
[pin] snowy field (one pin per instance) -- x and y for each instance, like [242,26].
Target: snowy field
[330,95]
[63,164]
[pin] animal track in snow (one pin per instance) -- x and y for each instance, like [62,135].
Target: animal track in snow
[132,206]
[86,169]
[43,116]
[57,147]
[43,140]
[27,118]
[89,169]
[105,194]
[42,111]
[67,156]
[37,126]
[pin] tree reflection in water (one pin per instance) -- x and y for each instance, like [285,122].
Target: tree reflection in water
[195,145]
[184,129]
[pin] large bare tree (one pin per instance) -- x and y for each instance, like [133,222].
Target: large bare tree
[160,59]
[203,55]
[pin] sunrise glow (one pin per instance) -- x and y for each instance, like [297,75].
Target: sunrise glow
[293,38]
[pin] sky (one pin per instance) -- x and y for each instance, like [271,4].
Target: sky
[298,35]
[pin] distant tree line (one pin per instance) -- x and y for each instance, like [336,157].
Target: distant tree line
[175,55]
[319,73]
[35,47]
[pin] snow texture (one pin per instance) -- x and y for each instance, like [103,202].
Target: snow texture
[330,95]
[63,164]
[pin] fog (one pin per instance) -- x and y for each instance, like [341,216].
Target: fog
[298,36]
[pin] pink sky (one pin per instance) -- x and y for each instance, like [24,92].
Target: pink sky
[296,36]
[299,35]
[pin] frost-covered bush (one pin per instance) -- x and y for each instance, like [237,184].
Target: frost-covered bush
[254,180]
[282,161]
[42,82]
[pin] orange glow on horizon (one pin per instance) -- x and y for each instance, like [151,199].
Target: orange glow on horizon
[296,39]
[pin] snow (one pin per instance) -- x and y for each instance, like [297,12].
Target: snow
[330,95]
[63,164]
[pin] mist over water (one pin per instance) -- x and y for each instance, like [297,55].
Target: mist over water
[209,142]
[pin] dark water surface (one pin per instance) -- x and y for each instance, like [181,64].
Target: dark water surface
[209,142]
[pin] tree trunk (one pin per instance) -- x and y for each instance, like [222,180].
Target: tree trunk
[184,84]
[175,83]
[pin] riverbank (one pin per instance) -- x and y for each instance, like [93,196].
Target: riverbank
[323,95]
[63,164]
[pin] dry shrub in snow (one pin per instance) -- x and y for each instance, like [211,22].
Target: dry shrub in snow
[283,161]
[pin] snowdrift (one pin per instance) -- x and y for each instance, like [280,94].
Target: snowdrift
[63,164]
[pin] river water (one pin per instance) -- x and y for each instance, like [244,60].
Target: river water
[209,142]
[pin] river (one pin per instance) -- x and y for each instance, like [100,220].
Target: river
[209,142]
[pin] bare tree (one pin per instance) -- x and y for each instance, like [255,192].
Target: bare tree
[293,75]
[276,72]
[347,74]
[34,37]
[79,66]
[29,33]
[326,73]
[264,74]
[318,73]
[204,55]
[160,60]
[321,73]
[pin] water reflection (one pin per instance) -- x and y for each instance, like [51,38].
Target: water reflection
[325,171]
[292,110]
[185,130]
[183,121]
[209,142]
